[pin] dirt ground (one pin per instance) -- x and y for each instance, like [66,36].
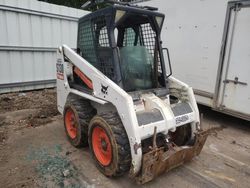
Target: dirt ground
[34,151]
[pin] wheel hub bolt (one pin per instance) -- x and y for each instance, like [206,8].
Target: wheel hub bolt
[104,145]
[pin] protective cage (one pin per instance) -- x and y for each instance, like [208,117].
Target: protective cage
[104,35]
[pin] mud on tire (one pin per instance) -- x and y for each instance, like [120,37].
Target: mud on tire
[120,161]
[83,112]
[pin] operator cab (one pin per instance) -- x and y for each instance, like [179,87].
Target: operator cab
[123,42]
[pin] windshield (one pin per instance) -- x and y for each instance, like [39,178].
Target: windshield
[139,56]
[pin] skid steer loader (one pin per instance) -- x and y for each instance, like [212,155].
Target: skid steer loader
[117,98]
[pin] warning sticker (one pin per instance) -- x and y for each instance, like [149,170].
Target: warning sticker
[59,69]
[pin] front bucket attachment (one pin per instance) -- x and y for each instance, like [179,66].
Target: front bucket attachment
[157,161]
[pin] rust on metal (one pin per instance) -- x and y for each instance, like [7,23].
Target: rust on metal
[157,161]
[154,139]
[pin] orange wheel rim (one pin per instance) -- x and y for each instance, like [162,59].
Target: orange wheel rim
[101,146]
[70,121]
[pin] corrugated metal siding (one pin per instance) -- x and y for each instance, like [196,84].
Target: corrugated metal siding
[30,32]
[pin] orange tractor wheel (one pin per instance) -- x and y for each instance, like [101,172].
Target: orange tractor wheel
[109,144]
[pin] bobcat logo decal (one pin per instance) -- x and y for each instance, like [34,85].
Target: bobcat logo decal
[104,89]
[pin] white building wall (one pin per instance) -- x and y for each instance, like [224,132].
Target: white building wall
[30,32]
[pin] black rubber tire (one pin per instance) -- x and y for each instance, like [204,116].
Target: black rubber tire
[84,112]
[182,135]
[121,154]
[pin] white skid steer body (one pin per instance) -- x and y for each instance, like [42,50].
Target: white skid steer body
[142,118]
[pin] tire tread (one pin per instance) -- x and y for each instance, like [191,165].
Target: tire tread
[124,153]
[85,113]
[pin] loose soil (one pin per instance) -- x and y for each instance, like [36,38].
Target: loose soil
[26,109]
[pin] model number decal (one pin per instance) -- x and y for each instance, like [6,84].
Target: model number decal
[59,69]
[181,119]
